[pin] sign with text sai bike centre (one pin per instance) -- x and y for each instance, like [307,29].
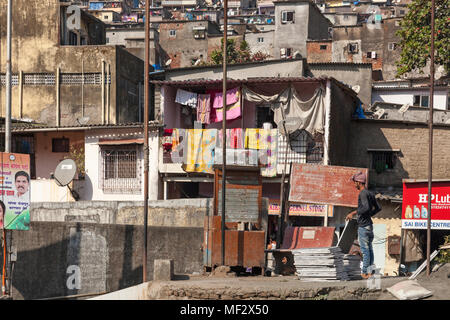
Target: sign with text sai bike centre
[415,205]
[15,191]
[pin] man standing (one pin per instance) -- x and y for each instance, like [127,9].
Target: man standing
[367,207]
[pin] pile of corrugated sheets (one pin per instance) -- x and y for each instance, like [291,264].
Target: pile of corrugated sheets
[320,264]
[352,265]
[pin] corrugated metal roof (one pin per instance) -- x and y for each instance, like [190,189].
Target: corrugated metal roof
[256,80]
[205,82]
[43,127]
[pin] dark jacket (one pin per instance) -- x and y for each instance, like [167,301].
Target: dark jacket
[367,207]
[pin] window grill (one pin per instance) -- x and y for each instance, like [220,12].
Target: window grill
[89,78]
[39,79]
[120,169]
[303,148]
[14,79]
[382,160]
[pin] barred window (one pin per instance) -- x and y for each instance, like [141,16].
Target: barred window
[382,160]
[121,169]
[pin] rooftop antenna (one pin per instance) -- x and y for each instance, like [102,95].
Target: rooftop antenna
[64,174]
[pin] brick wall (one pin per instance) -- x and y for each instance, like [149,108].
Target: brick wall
[316,54]
[411,139]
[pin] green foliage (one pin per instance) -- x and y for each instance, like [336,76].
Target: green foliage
[76,153]
[444,254]
[236,54]
[415,34]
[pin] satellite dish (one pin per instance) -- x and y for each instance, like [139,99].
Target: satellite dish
[197,62]
[168,62]
[83,120]
[64,174]
[356,88]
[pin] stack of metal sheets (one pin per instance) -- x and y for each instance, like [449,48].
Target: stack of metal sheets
[352,266]
[320,264]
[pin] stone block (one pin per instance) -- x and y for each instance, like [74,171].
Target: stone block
[163,269]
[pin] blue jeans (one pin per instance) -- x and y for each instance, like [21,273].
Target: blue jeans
[365,238]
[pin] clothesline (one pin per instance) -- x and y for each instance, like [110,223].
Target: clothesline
[290,111]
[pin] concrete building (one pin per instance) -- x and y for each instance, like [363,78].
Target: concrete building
[132,37]
[319,51]
[374,43]
[297,21]
[107,16]
[342,18]
[118,6]
[413,92]
[184,42]
[357,76]
[63,79]
[261,41]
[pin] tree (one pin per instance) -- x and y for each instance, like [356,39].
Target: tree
[415,34]
[236,54]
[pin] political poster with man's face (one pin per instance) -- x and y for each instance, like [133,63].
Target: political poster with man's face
[15,191]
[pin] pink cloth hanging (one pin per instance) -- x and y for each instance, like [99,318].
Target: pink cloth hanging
[232,98]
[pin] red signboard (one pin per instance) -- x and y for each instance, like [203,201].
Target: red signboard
[312,183]
[415,205]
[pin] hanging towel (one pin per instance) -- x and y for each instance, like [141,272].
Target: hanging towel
[232,98]
[200,151]
[204,108]
[233,111]
[186,98]
[256,139]
[235,139]
[269,168]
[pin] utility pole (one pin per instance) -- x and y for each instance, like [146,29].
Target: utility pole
[430,141]
[224,122]
[146,147]
[7,234]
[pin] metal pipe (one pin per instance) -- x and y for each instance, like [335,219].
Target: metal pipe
[146,111]
[224,122]
[21,94]
[8,80]
[58,97]
[103,91]
[82,87]
[430,143]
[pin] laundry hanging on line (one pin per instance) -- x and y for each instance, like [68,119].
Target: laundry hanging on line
[186,98]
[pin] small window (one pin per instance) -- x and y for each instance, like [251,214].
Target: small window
[383,160]
[352,48]
[345,17]
[402,12]
[260,40]
[371,55]
[421,100]
[60,144]
[107,40]
[323,47]
[392,46]
[105,17]
[172,33]
[287,16]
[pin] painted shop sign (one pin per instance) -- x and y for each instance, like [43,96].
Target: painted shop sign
[301,209]
[415,205]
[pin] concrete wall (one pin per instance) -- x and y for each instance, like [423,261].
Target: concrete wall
[413,157]
[183,48]
[266,46]
[167,213]
[291,34]
[341,110]
[350,74]
[102,257]
[270,68]
[407,96]
[90,188]
[36,49]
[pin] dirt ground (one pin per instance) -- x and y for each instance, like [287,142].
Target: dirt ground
[438,282]
[222,287]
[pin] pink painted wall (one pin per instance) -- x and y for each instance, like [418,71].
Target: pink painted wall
[46,160]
